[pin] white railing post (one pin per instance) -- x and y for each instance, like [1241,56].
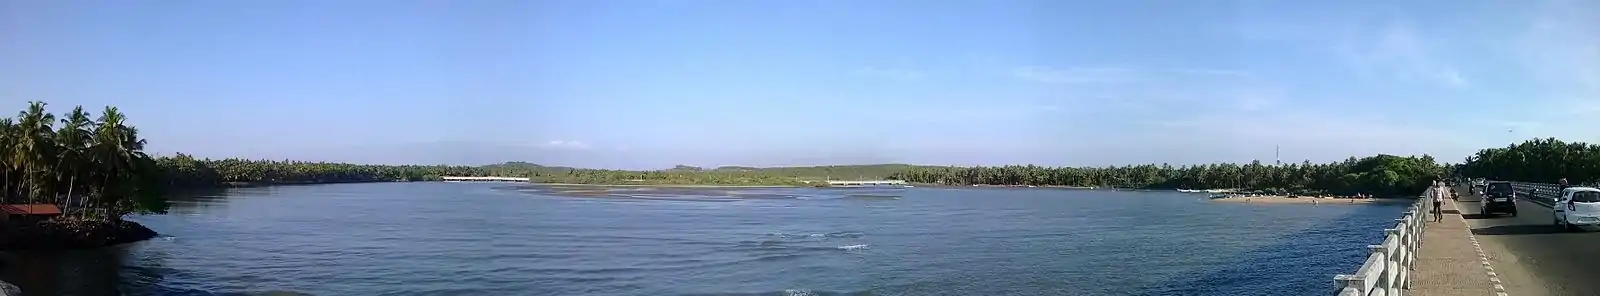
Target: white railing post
[1349,285]
[1391,256]
[1405,253]
[1387,270]
[1378,281]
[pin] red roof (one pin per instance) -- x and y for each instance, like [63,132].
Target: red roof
[33,209]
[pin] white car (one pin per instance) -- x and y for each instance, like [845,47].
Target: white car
[1578,207]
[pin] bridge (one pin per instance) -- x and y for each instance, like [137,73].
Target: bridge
[1474,254]
[483,179]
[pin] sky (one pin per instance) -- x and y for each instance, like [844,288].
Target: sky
[643,84]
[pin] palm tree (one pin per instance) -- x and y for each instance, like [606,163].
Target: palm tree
[73,140]
[7,141]
[116,151]
[33,148]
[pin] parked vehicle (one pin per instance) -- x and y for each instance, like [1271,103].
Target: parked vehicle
[1578,207]
[1499,197]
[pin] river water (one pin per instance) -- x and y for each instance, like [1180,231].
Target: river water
[486,239]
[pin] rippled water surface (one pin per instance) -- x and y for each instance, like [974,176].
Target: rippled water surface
[482,239]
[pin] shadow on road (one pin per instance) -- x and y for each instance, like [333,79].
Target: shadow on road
[1480,216]
[1518,230]
[1476,216]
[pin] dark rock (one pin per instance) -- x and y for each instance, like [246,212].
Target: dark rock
[7,289]
[71,234]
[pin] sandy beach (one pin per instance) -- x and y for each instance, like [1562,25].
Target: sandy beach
[1312,200]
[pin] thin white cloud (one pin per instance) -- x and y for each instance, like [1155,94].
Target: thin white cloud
[1072,75]
[971,113]
[1312,130]
[890,73]
[1452,77]
[1174,124]
[565,144]
[1251,100]
[1522,126]
[1214,72]
[1557,47]
[1583,107]
[1055,75]
[1399,52]
[1561,45]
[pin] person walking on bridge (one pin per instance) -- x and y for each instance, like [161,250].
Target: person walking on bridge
[1437,194]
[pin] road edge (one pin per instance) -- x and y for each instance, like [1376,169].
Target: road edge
[1483,257]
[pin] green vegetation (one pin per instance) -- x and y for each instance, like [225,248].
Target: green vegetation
[92,168]
[731,175]
[1537,160]
[1382,175]
[184,171]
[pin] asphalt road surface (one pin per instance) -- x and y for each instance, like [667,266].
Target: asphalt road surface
[1533,256]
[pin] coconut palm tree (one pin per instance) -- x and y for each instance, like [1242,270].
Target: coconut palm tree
[7,141]
[33,150]
[116,152]
[72,160]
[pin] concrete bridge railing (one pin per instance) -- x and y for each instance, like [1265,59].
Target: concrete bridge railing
[1388,268]
[1541,193]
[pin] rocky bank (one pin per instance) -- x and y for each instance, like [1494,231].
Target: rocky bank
[71,234]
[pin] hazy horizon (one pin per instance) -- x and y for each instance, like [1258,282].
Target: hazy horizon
[651,84]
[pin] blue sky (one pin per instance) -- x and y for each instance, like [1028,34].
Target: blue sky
[649,84]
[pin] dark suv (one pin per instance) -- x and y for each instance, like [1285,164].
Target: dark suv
[1498,197]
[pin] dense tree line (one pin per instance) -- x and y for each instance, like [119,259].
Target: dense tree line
[729,175]
[90,166]
[1537,160]
[1379,175]
[1383,175]
[184,171]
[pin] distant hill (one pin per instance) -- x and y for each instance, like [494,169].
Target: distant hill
[736,169]
[685,168]
[518,166]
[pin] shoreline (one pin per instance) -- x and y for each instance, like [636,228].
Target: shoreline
[1279,199]
[270,184]
[932,185]
[72,234]
[664,185]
